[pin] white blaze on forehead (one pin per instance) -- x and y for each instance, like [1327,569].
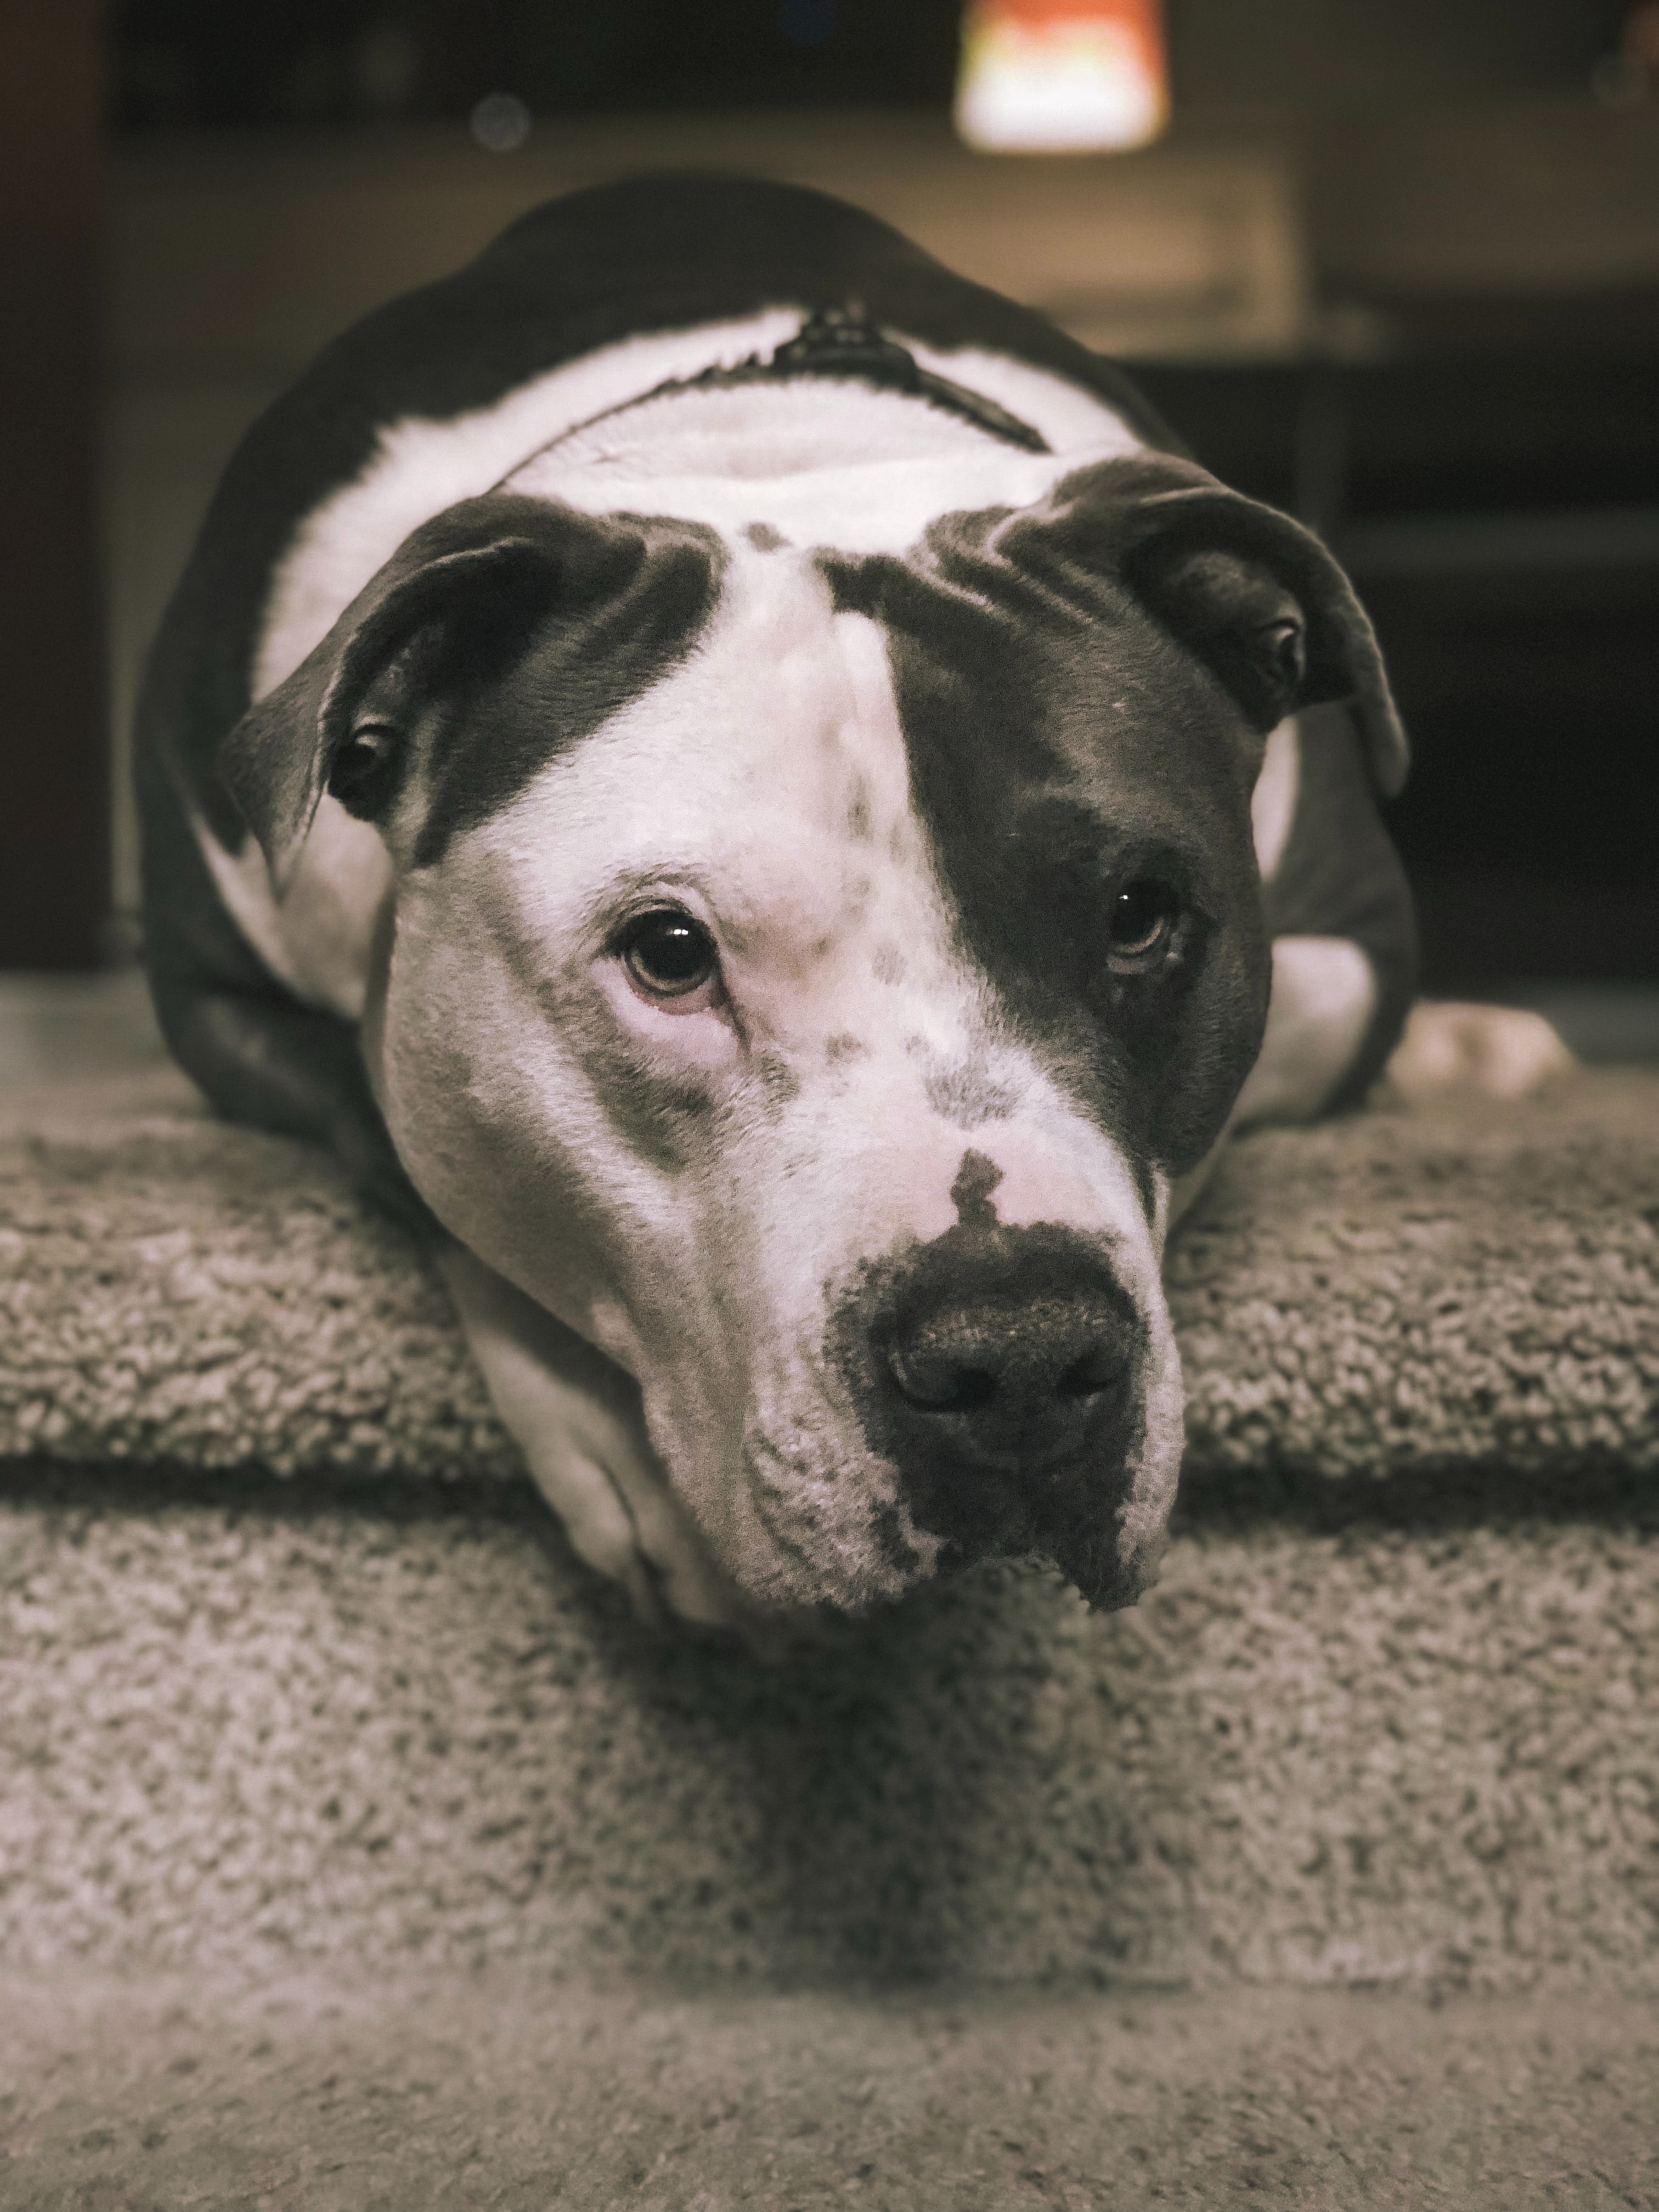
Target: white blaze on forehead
[765,780]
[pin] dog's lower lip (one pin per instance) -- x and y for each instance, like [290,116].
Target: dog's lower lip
[1008,1515]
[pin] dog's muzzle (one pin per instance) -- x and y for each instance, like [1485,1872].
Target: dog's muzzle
[999,1370]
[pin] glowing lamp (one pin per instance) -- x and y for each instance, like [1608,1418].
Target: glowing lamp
[1062,76]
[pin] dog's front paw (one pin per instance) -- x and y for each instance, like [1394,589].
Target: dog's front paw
[623,1518]
[576,1418]
[1497,1052]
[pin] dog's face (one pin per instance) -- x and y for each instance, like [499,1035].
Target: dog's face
[806,974]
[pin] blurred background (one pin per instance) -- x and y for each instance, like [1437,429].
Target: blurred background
[1394,266]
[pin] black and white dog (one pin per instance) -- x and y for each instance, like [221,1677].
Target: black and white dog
[744,784]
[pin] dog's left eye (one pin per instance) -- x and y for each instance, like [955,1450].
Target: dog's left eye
[1143,918]
[668,954]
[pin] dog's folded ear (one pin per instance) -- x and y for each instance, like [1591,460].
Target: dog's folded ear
[1251,592]
[462,595]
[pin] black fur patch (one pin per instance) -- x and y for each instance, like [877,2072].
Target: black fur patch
[631,604]
[1063,743]
[499,634]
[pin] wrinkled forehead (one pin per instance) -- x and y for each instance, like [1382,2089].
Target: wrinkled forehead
[1024,678]
[890,712]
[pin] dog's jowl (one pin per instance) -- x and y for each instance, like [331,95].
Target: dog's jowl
[751,794]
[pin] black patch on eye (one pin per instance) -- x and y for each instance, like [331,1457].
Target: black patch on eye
[529,675]
[1064,745]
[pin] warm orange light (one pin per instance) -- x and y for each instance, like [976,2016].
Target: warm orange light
[1062,76]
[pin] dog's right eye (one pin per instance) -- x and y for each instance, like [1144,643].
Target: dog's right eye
[362,767]
[668,954]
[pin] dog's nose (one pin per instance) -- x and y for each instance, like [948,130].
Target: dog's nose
[1012,1376]
[999,1371]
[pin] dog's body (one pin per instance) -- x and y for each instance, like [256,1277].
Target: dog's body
[754,751]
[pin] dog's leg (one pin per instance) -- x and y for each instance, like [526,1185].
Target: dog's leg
[575,1416]
[1324,995]
[295,1069]
[1497,1052]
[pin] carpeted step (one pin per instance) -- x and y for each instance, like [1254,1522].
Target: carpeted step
[1413,1745]
[1386,1293]
[1387,1717]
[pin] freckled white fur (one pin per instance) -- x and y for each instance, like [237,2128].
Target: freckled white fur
[764,784]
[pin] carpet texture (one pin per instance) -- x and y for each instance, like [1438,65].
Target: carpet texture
[1333,1744]
[293,1666]
[314,2094]
[1391,1292]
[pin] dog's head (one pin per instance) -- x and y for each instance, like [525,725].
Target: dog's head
[806,974]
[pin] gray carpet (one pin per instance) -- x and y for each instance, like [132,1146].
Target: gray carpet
[293,1667]
[357,1850]
[1414,1747]
[1389,1293]
[501,2094]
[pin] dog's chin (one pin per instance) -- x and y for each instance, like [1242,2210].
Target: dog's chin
[1089,1556]
[1104,1575]
[844,1542]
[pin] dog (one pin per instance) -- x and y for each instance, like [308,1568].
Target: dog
[749,790]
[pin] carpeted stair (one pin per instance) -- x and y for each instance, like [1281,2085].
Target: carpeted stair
[297,1680]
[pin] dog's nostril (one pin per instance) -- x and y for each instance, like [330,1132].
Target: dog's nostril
[1010,1377]
[939,1386]
[1086,1377]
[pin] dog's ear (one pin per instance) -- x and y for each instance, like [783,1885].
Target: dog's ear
[1251,592]
[463,593]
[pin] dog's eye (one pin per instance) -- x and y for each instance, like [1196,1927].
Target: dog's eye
[667,954]
[361,766]
[1285,649]
[1143,919]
